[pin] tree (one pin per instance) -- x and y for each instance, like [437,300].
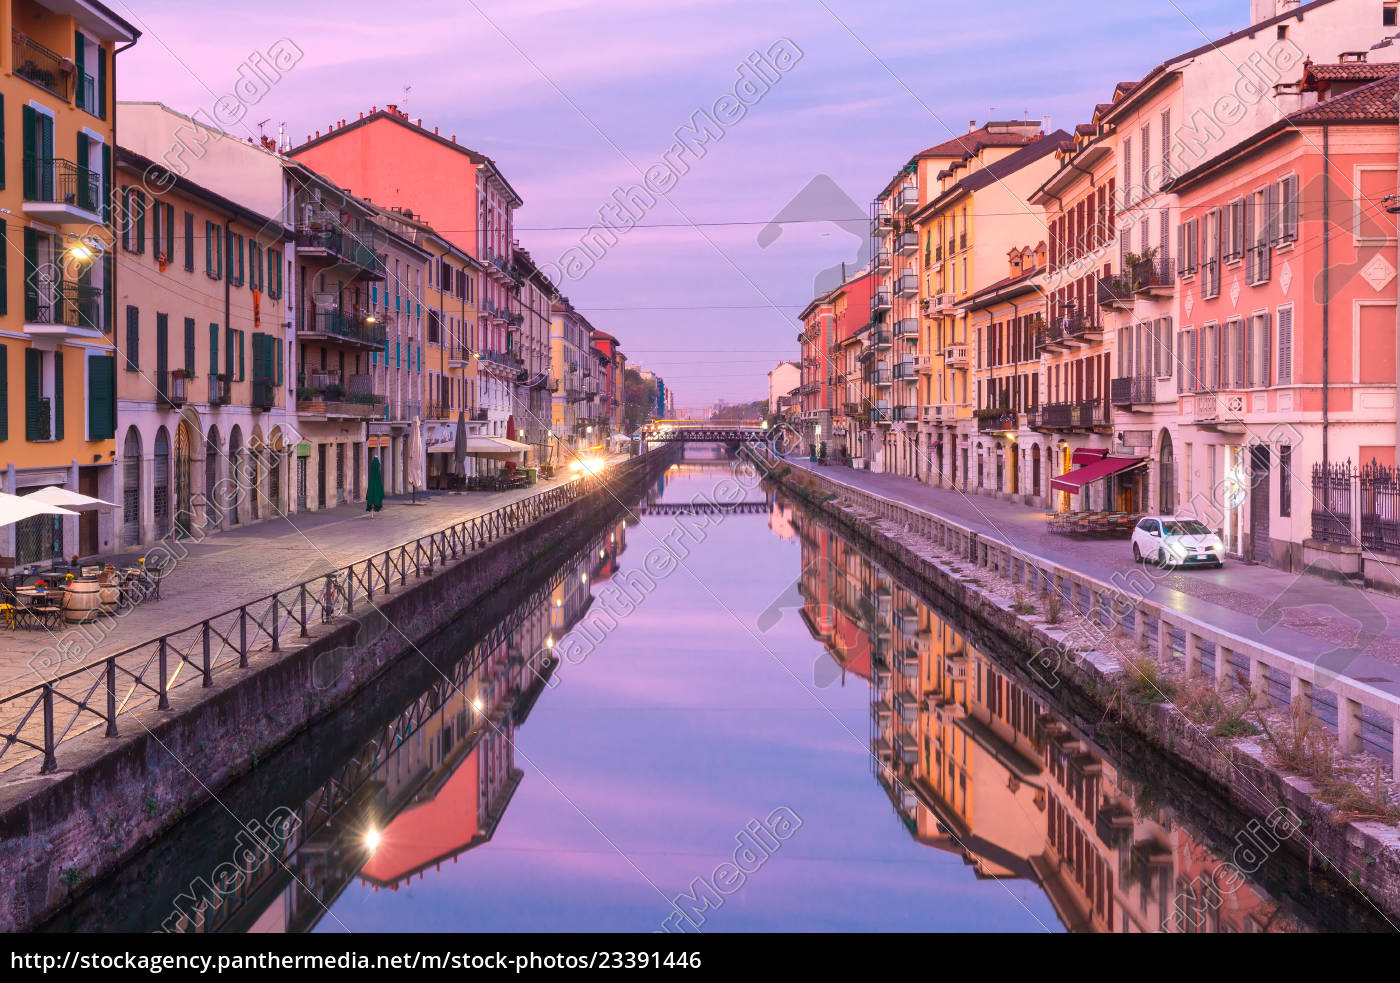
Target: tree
[638,398]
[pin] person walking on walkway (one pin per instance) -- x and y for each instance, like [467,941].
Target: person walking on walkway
[374,494]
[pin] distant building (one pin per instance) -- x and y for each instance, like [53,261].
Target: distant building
[782,380]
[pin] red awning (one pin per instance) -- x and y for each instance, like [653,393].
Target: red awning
[1081,456]
[1075,480]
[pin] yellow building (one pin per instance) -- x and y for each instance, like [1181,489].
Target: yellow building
[202,387]
[57,357]
[450,376]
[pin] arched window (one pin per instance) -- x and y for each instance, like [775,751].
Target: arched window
[235,469]
[131,488]
[213,515]
[161,483]
[1166,476]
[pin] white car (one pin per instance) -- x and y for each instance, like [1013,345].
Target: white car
[1176,541]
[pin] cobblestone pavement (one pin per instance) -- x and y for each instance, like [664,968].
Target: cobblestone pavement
[233,567]
[1316,616]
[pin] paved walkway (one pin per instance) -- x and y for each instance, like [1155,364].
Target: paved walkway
[248,562]
[1317,616]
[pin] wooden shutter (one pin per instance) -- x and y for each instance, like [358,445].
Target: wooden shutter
[189,241]
[1265,366]
[259,359]
[189,345]
[1250,246]
[162,351]
[2,141]
[58,395]
[139,203]
[276,343]
[29,124]
[80,60]
[214,348]
[101,81]
[1285,346]
[107,183]
[1290,207]
[1249,353]
[158,245]
[36,424]
[31,269]
[228,353]
[109,294]
[102,397]
[4,391]
[133,338]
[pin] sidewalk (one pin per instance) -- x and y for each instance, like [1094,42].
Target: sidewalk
[228,568]
[1318,616]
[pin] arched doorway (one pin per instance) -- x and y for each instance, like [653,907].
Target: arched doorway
[184,479]
[274,473]
[213,515]
[235,473]
[255,453]
[1166,475]
[131,488]
[1035,470]
[161,483]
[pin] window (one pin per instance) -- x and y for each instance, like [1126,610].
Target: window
[189,242]
[274,273]
[133,339]
[213,250]
[1288,210]
[1388,15]
[1285,480]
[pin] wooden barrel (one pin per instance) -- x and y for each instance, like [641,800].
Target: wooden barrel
[81,600]
[110,595]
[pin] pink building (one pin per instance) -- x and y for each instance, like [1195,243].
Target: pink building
[1286,353]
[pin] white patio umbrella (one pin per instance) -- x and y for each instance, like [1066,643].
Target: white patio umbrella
[414,459]
[15,508]
[62,497]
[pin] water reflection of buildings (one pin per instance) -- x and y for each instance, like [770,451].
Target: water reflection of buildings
[431,784]
[975,765]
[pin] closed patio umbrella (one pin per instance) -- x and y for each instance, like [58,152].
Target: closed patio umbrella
[374,494]
[459,446]
[16,508]
[414,459]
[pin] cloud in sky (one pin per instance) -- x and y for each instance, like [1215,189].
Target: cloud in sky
[492,72]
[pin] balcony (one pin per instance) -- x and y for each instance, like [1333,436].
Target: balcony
[931,413]
[877,341]
[923,363]
[907,243]
[880,301]
[1089,414]
[1074,330]
[1155,277]
[907,327]
[1000,421]
[63,311]
[1226,411]
[882,261]
[880,413]
[955,356]
[337,245]
[941,303]
[264,395]
[880,224]
[326,398]
[879,377]
[220,389]
[906,414]
[345,327]
[907,285]
[853,409]
[906,370]
[61,192]
[458,358]
[1115,293]
[172,388]
[906,199]
[43,66]
[1129,391]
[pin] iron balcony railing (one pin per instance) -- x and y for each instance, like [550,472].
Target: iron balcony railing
[1114,291]
[220,389]
[906,370]
[906,243]
[74,305]
[907,327]
[43,66]
[907,285]
[996,422]
[351,327]
[356,248]
[1154,273]
[53,179]
[1132,389]
[73,704]
[906,413]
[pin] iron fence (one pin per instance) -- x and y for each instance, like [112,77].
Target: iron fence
[1331,497]
[39,719]
[1380,508]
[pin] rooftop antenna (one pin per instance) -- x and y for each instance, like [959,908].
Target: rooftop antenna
[403,103]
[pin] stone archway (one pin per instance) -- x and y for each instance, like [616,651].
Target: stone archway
[1166,474]
[213,450]
[183,479]
[131,487]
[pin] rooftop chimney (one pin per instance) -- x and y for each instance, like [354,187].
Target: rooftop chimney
[972,126]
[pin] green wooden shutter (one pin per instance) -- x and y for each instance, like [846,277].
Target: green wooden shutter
[277,344]
[162,352]
[102,397]
[189,241]
[58,395]
[31,264]
[241,349]
[228,353]
[80,50]
[2,141]
[140,220]
[35,423]
[109,294]
[29,123]
[101,81]
[4,392]
[133,338]
[189,345]
[4,262]
[84,188]
[156,225]
[214,348]
[107,183]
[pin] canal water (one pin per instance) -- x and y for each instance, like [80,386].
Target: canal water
[730,719]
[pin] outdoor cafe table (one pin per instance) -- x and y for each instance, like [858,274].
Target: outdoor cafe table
[39,606]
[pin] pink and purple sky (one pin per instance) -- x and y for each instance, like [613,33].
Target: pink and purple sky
[571,98]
